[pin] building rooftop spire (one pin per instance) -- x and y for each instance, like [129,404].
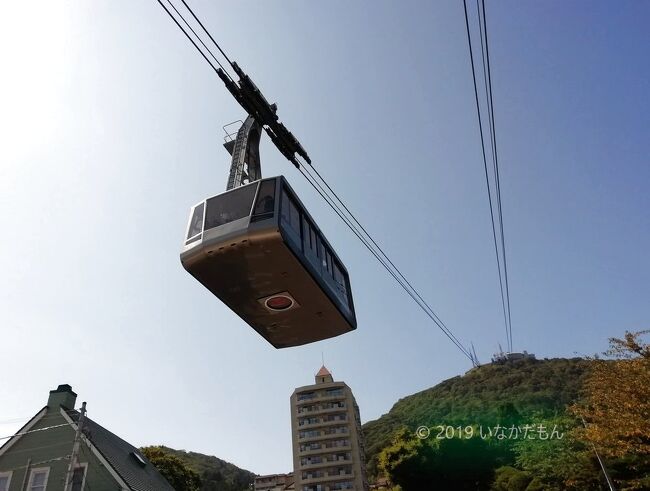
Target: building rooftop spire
[323,376]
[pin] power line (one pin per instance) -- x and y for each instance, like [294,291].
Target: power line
[26,419]
[14,420]
[485,166]
[32,464]
[33,431]
[40,447]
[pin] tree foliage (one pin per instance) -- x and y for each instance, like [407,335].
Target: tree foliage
[448,463]
[563,462]
[516,391]
[216,474]
[616,409]
[178,473]
[612,396]
[508,478]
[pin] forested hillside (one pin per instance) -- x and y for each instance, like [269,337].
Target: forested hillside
[483,396]
[215,474]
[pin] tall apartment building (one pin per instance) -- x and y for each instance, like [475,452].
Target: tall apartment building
[328,451]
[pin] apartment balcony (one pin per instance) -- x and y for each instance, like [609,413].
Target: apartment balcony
[328,478]
[328,410]
[326,463]
[331,397]
[342,448]
[335,422]
[331,436]
[310,409]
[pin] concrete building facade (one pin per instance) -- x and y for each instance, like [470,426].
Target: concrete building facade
[328,449]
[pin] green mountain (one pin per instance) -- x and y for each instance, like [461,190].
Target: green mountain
[216,474]
[525,390]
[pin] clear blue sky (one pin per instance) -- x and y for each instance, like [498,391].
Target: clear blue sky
[110,129]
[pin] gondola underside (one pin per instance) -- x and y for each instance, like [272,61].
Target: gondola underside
[245,272]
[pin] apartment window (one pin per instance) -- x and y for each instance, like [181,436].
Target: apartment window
[38,479]
[5,479]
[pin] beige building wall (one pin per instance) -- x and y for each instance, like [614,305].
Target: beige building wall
[328,450]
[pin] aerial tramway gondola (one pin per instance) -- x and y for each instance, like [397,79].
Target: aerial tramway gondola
[258,249]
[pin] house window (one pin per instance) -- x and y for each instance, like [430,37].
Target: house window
[79,477]
[5,479]
[38,479]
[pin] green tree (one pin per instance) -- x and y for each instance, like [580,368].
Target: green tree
[178,473]
[447,463]
[558,460]
[508,478]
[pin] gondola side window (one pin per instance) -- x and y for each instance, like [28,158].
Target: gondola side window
[230,206]
[290,213]
[329,264]
[309,237]
[326,258]
[322,248]
[313,240]
[339,279]
[196,222]
[265,198]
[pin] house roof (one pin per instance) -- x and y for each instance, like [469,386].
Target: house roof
[120,455]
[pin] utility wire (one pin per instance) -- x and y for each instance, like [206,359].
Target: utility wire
[487,178]
[14,420]
[32,464]
[33,431]
[26,419]
[40,447]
